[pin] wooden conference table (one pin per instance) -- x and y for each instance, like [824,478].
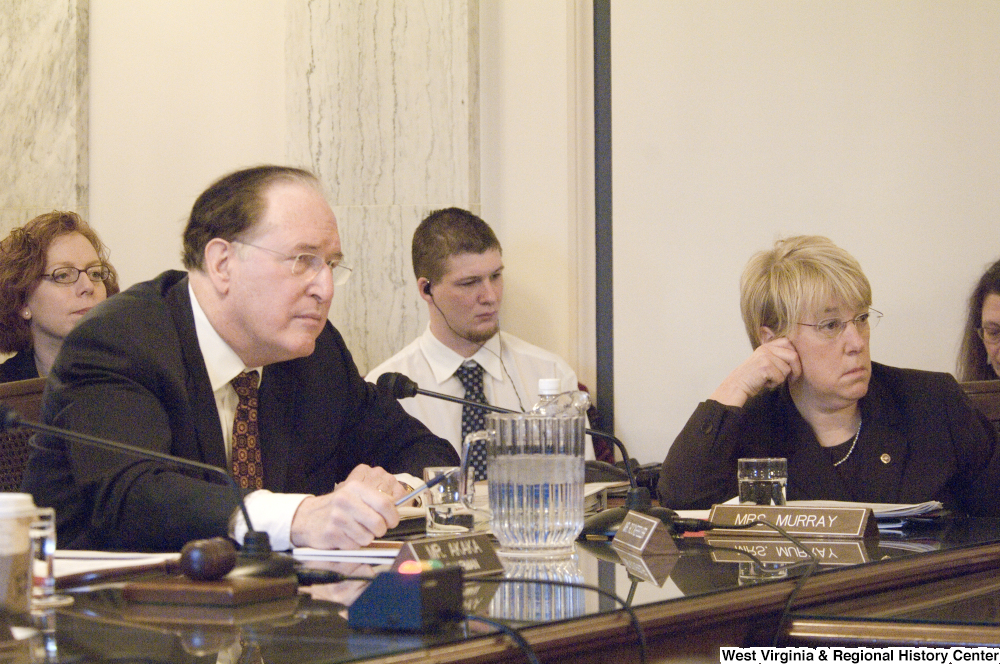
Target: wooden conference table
[938,583]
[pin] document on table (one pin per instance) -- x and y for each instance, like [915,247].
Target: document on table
[880,510]
[87,566]
[380,553]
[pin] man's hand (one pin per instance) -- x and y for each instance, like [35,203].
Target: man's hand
[769,366]
[358,510]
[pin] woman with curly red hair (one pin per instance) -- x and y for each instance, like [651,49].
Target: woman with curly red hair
[53,270]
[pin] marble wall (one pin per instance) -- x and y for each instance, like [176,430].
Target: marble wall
[44,107]
[383,104]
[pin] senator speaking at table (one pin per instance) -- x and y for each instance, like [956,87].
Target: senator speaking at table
[233,363]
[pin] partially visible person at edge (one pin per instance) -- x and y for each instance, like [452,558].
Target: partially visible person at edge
[53,270]
[851,429]
[979,357]
[234,364]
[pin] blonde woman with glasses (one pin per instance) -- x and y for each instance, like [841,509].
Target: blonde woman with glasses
[851,429]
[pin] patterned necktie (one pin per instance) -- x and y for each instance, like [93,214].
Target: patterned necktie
[247,468]
[473,418]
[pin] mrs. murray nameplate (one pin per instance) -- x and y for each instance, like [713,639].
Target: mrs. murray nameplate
[813,521]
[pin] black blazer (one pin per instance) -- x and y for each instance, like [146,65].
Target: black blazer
[132,371]
[20,367]
[920,440]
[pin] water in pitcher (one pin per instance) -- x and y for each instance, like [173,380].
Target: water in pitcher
[536,501]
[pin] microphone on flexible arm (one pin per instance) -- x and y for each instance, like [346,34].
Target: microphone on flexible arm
[605,523]
[202,560]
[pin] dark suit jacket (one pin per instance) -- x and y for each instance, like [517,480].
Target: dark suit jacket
[20,367]
[920,440]
[132,371]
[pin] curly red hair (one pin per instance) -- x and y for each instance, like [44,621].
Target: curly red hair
[22,262]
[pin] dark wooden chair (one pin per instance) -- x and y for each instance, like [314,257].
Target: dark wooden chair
[603,449]
[24,396]
[985,396]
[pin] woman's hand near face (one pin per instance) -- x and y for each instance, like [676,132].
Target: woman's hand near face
[769,366]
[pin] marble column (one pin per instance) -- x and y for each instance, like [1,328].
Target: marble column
[383,104]
[43,108]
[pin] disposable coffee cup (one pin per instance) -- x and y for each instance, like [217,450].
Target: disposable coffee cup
[17,513]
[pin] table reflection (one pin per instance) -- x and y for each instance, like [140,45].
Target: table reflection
[541,600]
[312,626]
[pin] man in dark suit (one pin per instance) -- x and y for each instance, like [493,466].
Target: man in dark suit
[173,365]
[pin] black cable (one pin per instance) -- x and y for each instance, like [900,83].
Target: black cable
[511,632]
[310,576]
[633,620]
[754,559]
[813,563]
[481,346]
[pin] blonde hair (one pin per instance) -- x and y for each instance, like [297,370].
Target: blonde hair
[798,275]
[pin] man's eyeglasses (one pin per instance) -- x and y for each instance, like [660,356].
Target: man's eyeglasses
[309,265]
[834,327]
[66,276]
[990,335]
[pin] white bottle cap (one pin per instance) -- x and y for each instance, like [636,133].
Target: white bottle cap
[549,386]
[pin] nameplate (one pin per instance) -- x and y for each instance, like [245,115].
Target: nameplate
[473,553]
[642,535]
[856,522]
[476,597]
[650,568]
[828,552]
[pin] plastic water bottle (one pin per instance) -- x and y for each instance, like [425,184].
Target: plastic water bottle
[552,401]
[549,393]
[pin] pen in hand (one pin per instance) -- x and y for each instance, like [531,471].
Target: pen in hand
[426,485]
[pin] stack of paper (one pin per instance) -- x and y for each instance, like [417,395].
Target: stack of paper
[880,510]
[384,553]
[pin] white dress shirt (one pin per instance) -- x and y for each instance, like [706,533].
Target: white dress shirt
[510,382]
[270,512]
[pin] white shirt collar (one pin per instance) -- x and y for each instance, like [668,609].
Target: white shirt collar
[221,361]
[444,361]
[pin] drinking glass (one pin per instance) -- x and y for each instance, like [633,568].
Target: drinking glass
[447,514]
[762,481]
[42,532]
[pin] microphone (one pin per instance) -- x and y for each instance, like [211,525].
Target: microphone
[401,387]
[255,557]
[604,523]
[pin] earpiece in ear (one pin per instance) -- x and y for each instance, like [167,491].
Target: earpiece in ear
[427,288]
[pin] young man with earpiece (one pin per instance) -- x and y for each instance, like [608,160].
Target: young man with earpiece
[458,263]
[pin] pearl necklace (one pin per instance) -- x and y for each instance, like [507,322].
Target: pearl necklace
[853,443]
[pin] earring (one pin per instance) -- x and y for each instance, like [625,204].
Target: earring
[27,314]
